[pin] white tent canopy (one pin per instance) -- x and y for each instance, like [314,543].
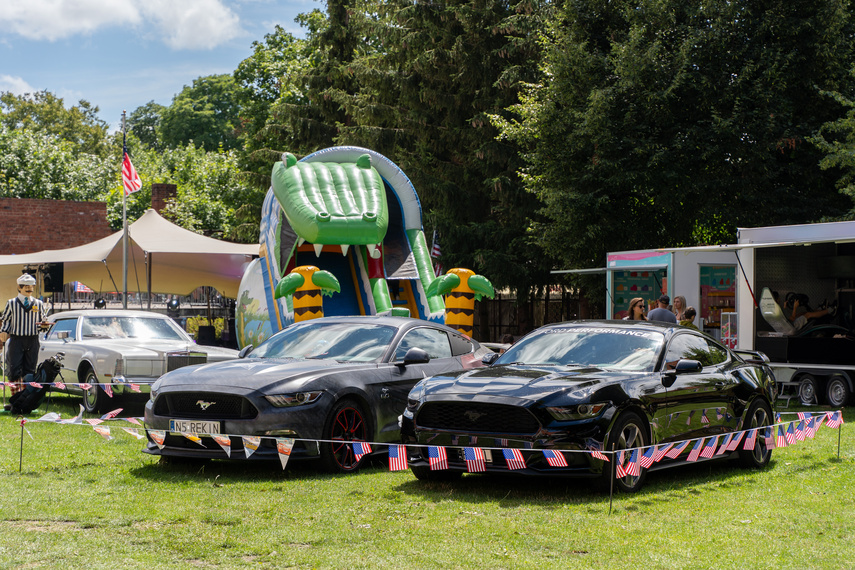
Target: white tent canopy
[179,260]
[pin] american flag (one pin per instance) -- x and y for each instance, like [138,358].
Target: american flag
[59,385]
[790,434]
[554,458]
[85,386]
[81,288]
[474,457]
[437,458]
[709,449]
[35,385]
[361,448]
[750,440]
[689,419]
[134,387]
[661,450]
[800,431]
[108,389]
[130,179]
[677,450]
[514,459]
[696,451]
[502,442]
[811,428]
[111,415]
[769,436]
[803,415]
[782,438]
[620,472]
[734,443]
[435,250]
[632,467]
[725,444]
[598,454]
[819,419]
[718,414]
[704,418]
[397,457]
[835,420]
[648,457]
[778,417]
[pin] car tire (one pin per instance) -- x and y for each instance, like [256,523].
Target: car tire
[629,431]
[837,391]
[427,474]
[345,424]
[808,390]
[759,414]
[93,398]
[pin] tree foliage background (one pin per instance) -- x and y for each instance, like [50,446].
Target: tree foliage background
[538,135]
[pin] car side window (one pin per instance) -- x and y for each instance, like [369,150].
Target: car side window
[718,354]
[460,344]
[432,341]
[63,325]
[688,347]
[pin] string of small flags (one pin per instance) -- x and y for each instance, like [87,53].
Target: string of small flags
[629,462]
[108,388]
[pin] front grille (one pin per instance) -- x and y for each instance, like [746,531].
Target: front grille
[476,417]
[217,406]
[180,359]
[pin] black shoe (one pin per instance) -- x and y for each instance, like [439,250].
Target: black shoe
[8,407]
[823,305]
[832,308]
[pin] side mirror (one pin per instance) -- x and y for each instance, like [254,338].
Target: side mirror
[62,335]
[489,358]
[682,367]
[416,356]
[244,351]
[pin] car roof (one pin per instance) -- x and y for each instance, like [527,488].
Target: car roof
[398,322]
[653,326]
[107,313]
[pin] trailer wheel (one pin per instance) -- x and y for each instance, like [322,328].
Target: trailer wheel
[808,390]
[837,391]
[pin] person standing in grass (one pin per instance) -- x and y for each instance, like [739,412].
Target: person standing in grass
[20,322]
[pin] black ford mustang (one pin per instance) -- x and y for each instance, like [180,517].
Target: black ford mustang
[577,386]
[326,383]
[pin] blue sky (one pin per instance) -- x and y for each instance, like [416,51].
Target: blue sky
[121,54]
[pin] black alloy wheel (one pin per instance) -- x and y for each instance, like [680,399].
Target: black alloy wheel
[347,423]
[759,415]
[628,432]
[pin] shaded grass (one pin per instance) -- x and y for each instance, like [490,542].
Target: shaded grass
[83,502]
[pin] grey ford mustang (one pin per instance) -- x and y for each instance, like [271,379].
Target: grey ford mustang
[326,383]
[581,386]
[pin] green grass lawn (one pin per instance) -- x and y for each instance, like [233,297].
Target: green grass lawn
[84,502]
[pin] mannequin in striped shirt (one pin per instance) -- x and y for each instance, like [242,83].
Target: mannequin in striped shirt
[20,323]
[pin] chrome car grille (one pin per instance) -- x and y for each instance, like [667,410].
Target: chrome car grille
[476,417]
[180,359]
[192,405]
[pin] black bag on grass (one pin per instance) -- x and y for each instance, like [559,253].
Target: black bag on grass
[30,398]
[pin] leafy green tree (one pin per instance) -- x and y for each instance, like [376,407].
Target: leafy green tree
[144,123]
[666,123]
[45,113]
[425,96]
[34,164]
[206,113]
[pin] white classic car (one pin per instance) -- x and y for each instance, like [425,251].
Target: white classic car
[122,350]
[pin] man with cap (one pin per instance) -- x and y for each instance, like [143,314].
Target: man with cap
[20,322]
[661,313]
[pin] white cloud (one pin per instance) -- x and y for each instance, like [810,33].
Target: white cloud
[58,19]
[16,85]
[201,24]
[182,24]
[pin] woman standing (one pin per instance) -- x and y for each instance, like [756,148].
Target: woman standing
[636,310]
[679,307]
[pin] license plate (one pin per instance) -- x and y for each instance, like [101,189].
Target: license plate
[193,426]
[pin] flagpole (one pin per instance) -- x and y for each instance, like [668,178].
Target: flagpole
[124,226]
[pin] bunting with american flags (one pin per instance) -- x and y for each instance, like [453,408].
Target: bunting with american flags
[620,472]
[474,457]
[834,420]
[397,457]
[769,436]
[647,458]
[661,451]
[514,458]
[724,444]
[790,434]
[555,458]
[361,448]
[734,442]
[696,451]
[709,448]
[437,458]
[632,467]
[782,439]
[677,450]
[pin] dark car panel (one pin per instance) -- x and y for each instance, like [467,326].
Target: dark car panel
[294,385]
[566,386]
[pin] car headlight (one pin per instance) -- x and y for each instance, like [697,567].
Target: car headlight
[297,399]
[579,412]
[414,398]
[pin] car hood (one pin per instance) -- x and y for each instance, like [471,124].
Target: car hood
[524,382]
[264,374]
[133,347]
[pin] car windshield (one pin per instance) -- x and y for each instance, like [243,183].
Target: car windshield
[354,342]
[610,348]
[130,327]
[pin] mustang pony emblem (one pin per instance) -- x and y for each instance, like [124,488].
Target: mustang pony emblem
[204,405]
[473,416]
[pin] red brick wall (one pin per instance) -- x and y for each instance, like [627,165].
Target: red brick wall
[160,193]
[28,225]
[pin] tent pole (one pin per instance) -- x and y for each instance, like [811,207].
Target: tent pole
[125,232]
[148,276]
